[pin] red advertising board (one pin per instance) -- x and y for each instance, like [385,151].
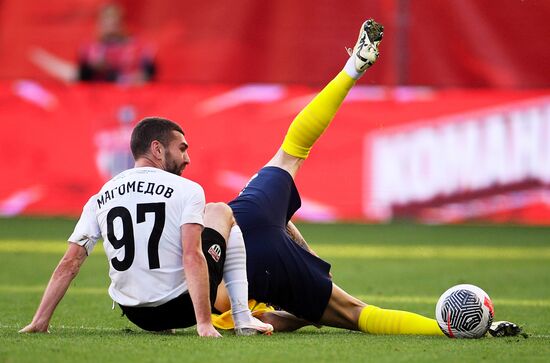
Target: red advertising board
[434,156]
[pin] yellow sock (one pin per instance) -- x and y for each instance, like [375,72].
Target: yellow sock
[224,321]
[374,320]
[316,116]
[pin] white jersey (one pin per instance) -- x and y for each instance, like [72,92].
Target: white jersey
[138,214]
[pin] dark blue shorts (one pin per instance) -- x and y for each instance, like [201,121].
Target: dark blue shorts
[280,272]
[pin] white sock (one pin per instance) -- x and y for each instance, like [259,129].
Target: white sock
[234,275]
[349,68]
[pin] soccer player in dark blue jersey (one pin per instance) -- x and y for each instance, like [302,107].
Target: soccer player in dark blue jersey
[282,269]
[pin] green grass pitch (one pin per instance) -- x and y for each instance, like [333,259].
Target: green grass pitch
[401,266]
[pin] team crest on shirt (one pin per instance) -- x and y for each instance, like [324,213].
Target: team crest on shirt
[216,252]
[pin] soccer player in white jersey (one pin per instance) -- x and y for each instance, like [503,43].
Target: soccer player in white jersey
[166,253]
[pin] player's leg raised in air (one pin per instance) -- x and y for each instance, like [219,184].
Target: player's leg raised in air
[220,226]
[342,310]
[312,121]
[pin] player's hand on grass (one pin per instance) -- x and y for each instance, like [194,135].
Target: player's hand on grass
[35,328]
[207,330]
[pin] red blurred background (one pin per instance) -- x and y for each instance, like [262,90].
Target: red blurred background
[467,43]
[457,110]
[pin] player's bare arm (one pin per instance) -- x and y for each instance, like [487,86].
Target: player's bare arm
[295,234]
[65,272]
[196,274]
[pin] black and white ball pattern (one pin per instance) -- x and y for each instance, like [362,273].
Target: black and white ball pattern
[464,311]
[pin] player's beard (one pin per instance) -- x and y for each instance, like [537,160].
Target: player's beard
[172,166]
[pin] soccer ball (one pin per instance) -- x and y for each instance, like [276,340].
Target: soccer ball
[464,311]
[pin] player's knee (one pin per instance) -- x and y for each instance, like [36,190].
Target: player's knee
[286,161]
[219,212]
[218,209]
[219,217]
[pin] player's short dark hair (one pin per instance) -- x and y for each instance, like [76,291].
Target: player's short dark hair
[150,129]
